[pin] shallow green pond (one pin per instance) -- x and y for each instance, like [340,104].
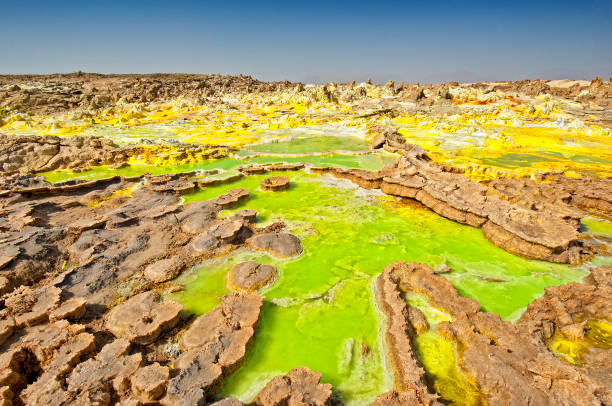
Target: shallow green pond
[305,145]
[320,312]
[372,162]
[104,171]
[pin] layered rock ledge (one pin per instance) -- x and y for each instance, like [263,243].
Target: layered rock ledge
[510,363]
[536,221]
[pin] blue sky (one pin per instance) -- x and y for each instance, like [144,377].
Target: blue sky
[316,41]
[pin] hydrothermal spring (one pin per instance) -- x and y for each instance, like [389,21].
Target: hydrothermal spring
[320,311]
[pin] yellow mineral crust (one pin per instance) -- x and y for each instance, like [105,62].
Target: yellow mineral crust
[489,134]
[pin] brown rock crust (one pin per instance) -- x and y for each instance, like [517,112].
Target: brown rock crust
[250,276]
[275,183]
[142,318]
[509,363]
[149,383]
[300,386]
[29,154]
[278,244]
[548,232]
[164,270]
[231,198]
[215,344]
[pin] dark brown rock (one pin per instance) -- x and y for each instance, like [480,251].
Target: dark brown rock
[249,215]
[408,373]
[231,198]
[365,179]
[510,363]
[215,344]
[549,233]
[32,306]
[199,375]
[7,325]
[96,379]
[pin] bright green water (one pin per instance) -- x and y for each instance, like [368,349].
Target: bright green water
[596,226]
[372,162]
[320,310]
[104,171]
[305,145]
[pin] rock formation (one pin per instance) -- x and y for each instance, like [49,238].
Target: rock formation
[250,276]
[275,183]
[509,363]
[299,387]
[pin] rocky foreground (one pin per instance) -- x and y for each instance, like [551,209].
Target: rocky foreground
[82,320]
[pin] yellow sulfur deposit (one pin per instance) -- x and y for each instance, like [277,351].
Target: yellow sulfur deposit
[127,192]
[598,334]
[487,134]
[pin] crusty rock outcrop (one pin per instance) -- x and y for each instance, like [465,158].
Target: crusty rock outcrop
[149,383]
[508,362]
[45,153]
[164,270]
[278,244]
[250,276]
[300,386]
[97,379]
[566,312]
[549,232]
[275,183]
[143,318]
[32,306]
[569,196]
[409,375]
[214,344]
[231,198]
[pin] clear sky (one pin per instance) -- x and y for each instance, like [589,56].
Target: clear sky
[312,41]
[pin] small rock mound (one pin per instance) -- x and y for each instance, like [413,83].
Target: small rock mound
[231,198]
[149,383]
[277,244]
[142,318]
[32,306]
[300,386]
[249,215]
[251,276]
[71,309]
[164,270]
[91,381]
[275,183]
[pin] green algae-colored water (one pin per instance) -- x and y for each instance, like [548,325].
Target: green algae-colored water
[105,171]
[320,311]
[596,226]
[304,145]
[372,162]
